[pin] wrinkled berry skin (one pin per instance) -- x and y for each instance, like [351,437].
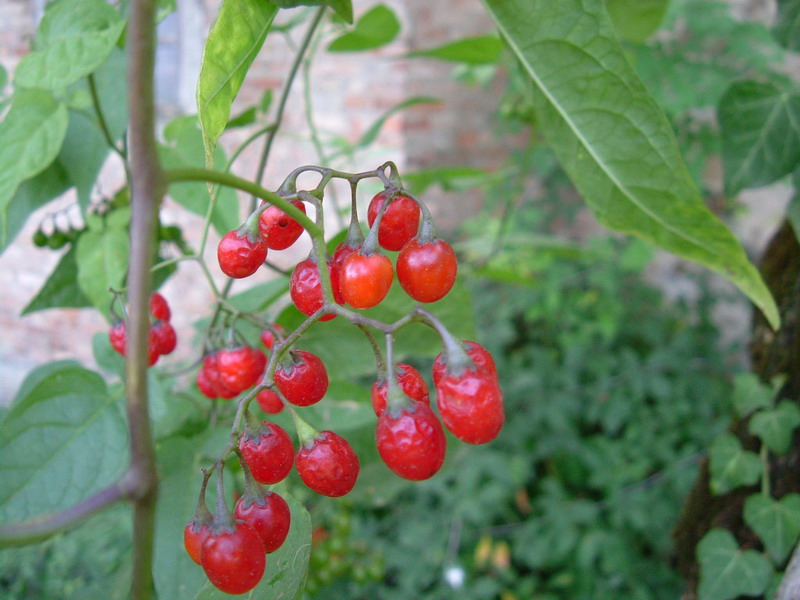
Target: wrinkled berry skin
[269,516]
[471,405]
[306,290]
[411,382]
[305,382]
[239,257]
[212,378]
[399,223]
[194,534]
[364,280]
[329,466]
[234,561]
[240,368]
[269,453]
[427,271]
[477,353]
[412,443]
[166,337]
[159,307]
[269,402]
[279,230]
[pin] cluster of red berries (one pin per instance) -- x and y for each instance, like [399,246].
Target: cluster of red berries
[162,338]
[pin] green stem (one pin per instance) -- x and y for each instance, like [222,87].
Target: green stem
[306,434]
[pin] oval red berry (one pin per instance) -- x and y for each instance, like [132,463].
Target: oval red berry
[303,382]
[234,561]
[269,516]
[279,230]
[306,289]
[269,453]
[329,466]
[427,271]
[412,444]
[364,280]
[239,257]
[411,382]
[399,222]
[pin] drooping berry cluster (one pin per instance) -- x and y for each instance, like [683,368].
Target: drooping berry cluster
[162,338]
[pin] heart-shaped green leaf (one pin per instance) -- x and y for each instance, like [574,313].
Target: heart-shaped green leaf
[777,523]
[726,571]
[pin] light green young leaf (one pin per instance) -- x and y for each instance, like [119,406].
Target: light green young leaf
[102,258]
[777,523]
[61,288]
[636,20]
[732,466]
[726,571]
[760,126]
[786,29]
[749,394]
[375,28]
[232,45]
[74,38]
[480,50]
[63,439]
[775,427]
[343,8]
[612,138]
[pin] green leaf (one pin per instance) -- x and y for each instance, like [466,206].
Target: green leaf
[774,427]
[636,20]
[371,134]
[760,127]
[732,466]
[375,28]
[604,126]
[30,138]
[787,24]
[61,288]
[286,568]
[74,38]
[82,155]
[243,119]
[727,572]
[449,178]
[343,8]
[232,45]
[106,357]
[63,439]
[480,50]
[102,258]
[185,149]
[777,523]
[749,394]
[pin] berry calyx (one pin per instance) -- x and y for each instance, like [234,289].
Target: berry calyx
[411,383]
[306,290]
[267,513]
[279,230]
[303,379]
[400,220]
[269,402]
[328,465]
[268,452]
[240,255]
[159,307]
[427,269]
[234,559]
[411,441]
[365,279]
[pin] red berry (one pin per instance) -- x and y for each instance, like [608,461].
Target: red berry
[411,382]
[477,353]
[159,307]
[412,444]
[240,368]
[194,534]
[335,268]
[269,402]
[211,368]
[204,385]
[306,289]
[428,270]
[399,222]
[304,381]
[329,466]
[268,453]
[268,337]
[471,404]
[165,336]
[234,561]
[238,256]
[269,516]
[364,280]
[117,336]
[279,230]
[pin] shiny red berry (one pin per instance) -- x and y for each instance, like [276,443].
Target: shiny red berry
[204,385]
[328,465]
[239,257]
[269,516]
[306,289]
[268,452]
[471,404]
[240,368]
[304,381]
[159,307]
[335,268]
[411,443]
[117,336]
[166,338]
[428,270]
[268,337]
[234,561]
[211,369]
[411,382]
[269,402]
[194,534]
[364,280]
[279,230]
[477,353]
[399,222]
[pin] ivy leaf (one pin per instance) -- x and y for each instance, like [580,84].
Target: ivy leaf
[343,8]
[760,128]
[375,28]
[749,394]
[63,439]
[61,289]
[480,50]
[732,466]
[636,20]
[233,43]
[102,258]
[785,29]
[777,523]
[73,39]
[604,126]
[774,427]
[727,572]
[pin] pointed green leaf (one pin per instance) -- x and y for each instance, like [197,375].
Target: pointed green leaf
[749,394]
[375,28]
[774,427]
[787,24]
[343,8]
[484,49]
[760,125]
[102,258]
[613,140]
[233,43]
[777,523]
[727,572]
[63,439]
[636,20]
[371,134]
[61,288]
[732,466]
[74,38]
